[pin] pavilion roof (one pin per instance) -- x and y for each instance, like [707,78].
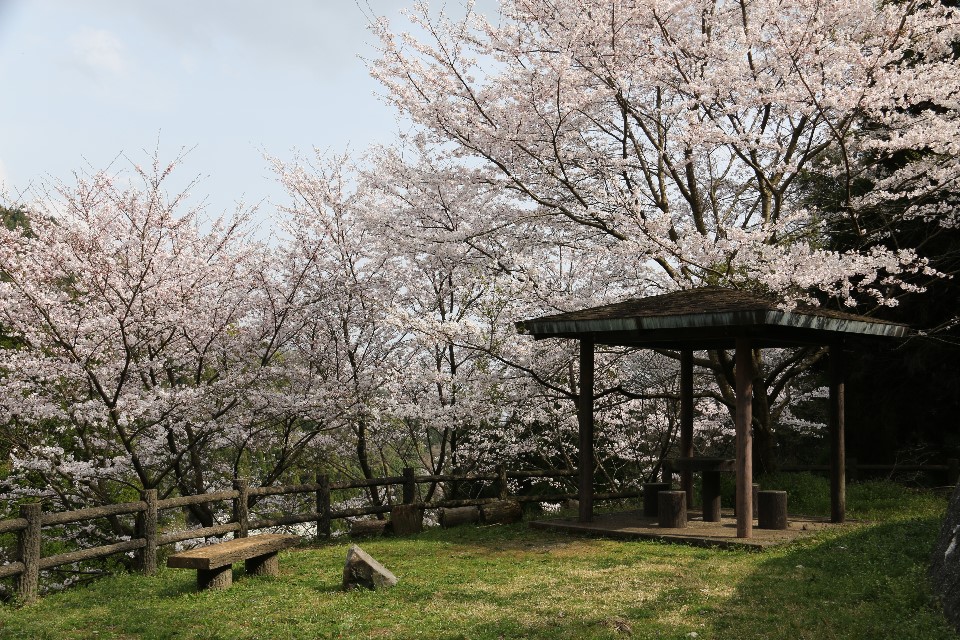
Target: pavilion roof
[709,317]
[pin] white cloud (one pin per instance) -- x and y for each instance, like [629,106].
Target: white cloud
[100,51]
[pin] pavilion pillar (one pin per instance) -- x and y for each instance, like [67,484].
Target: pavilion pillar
[838,473]
[585,420]
[744,381]
[686,420]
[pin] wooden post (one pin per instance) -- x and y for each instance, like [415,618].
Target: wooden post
[585,419]
[686,419]
[29,552]
[409,486]
[838,481]
[744,375]
[148,555]
[241,506]
[502,486]
[323,506]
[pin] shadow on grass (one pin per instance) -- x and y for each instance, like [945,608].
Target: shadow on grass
[866,583]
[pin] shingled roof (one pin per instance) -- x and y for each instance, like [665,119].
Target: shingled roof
[708,317]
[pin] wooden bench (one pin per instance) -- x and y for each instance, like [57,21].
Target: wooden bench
[214,563]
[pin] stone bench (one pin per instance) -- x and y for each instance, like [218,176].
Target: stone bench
[214,563]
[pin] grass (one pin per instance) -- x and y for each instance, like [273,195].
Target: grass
[864,580]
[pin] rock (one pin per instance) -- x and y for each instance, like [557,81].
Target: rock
[945,562]
[361,570]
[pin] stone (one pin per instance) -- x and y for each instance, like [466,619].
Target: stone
[944,571]
[362,571]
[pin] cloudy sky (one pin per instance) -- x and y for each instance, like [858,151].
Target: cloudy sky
[86,80]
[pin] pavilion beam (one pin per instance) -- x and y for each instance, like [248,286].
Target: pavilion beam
[838,473]
[686,420]
[744,381]
[585,420]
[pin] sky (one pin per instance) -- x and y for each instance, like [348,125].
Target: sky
[87,83]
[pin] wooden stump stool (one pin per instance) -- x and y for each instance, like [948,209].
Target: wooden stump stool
[651,497]
[711,496]
[772,510]
[756,508]
[672,509]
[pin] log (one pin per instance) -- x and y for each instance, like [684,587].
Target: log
[406,519]
[772,511]
[66,517]
[651,497]
[501,512]
[456,516]
[672,509]
[372,527]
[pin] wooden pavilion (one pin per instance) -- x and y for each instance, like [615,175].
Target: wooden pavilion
[713,318]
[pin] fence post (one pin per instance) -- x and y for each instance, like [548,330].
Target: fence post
[29,552]
[502,486]
[953,471]
[241,506]
[148,557]
[409,486]
[323,506]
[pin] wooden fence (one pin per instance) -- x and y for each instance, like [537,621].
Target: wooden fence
[29,526]
[950,471]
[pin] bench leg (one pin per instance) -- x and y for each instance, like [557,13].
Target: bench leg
[219,578]
[265,565]
[711,496]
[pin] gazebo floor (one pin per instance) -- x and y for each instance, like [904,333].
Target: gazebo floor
[633,525]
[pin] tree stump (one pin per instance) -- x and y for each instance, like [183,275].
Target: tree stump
[672,509]
[651,497]
[459,515]
[501,512]
[772,510]
[406,519]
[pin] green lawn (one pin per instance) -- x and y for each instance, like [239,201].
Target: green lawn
[860,581]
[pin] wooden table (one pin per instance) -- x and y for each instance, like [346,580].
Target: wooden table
[710,470]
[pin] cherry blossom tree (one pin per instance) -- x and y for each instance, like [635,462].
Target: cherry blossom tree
[672,137]
[149,341]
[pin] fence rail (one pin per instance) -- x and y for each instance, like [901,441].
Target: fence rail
[28,527]
[949,471]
